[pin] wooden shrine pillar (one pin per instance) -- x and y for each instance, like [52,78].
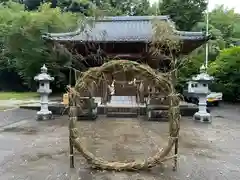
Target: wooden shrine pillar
[104,93]
[104,89]
[141,93]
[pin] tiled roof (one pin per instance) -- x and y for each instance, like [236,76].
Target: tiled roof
[121,28]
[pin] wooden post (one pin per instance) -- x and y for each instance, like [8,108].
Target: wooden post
[70,76]
[174,80]
[175,153]
[70,114]
[71,153]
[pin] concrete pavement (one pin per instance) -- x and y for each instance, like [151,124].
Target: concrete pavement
[15,115]
[39,150]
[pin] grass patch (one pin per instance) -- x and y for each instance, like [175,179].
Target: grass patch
[18,95]
[2,108]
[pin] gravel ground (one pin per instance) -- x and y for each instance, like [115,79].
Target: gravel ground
[39,150]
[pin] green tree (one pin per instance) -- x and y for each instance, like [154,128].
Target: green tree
[185,13]
[196,59]
[34,4]
[128,7]
[226,70]
[21,38]
[217,42]
[141,8]
[225,20]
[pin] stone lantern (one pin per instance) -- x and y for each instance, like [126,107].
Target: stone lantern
[201,89]
[44,90]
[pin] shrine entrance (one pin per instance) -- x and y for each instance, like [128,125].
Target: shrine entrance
[124,98]
[122,106]
[144,39]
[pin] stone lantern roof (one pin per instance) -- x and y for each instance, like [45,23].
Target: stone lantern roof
[43,76]
[203,76]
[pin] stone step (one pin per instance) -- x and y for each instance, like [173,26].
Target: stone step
[120,109]
[122,114]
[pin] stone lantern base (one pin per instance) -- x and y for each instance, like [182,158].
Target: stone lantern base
[44,115]
[202,117]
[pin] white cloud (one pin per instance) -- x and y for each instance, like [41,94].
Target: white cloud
[227,3]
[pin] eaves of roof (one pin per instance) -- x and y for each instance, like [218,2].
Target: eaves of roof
[121,29]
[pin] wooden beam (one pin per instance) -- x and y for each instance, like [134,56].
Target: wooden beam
[125,55]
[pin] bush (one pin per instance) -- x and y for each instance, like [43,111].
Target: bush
[226,70]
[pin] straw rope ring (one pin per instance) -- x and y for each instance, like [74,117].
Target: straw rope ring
[132,69]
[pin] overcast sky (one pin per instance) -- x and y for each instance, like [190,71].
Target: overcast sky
[227,3]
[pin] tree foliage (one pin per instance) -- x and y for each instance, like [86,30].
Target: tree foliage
[185,13]
[226,70]
[22,47]
[110,7]
[224,20]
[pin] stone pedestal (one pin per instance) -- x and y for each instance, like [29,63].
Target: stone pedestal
[88,109]
[44,115]
[157,109]
[202,115]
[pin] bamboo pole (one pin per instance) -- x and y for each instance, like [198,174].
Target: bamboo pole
[71,153]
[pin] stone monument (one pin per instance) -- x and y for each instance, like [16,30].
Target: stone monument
[44,90]
[201,90]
